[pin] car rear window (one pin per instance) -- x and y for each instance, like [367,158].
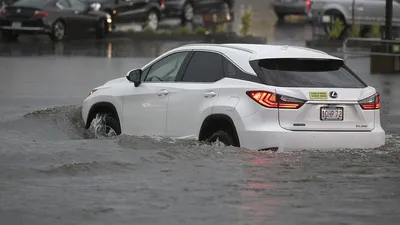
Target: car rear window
[32,3]
[309,73]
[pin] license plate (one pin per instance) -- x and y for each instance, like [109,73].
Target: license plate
[331,113]
[326,19]
[16,24]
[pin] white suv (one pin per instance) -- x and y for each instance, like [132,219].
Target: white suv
[261,97]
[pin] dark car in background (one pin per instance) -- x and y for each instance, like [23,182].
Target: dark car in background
[145,12]
[187,9]
[290,7]
[53,17]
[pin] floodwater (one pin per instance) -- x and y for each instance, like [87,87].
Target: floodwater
[53,171]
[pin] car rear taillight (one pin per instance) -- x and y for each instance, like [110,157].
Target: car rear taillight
[308,5]
[372,102]
[39,14]
[271,100]
[162,4]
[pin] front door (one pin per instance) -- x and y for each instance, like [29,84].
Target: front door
[145,110]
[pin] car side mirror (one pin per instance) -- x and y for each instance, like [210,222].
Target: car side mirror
[135,76]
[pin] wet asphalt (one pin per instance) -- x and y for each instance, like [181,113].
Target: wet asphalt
[52,171]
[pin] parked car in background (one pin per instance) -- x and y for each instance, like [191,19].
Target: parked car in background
[366,13]
[187,9]
[145,12]
[53,17]
[290,7]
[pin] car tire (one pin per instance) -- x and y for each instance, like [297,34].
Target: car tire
[187,13]
[9,35]
[111,122]
[58,31]
[223,137]
[152,20]
[101,29]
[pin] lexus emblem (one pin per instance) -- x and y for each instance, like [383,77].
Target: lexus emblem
[333,94]
[18,10]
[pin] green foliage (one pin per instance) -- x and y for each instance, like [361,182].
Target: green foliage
[201,31]
[336,29]
[184,30]
[246,23]
[221,28]
[355,30]
[376,31]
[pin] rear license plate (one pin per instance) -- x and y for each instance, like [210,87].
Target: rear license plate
[331,113]
[16,24]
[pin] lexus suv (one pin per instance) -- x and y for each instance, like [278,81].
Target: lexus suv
[260,97]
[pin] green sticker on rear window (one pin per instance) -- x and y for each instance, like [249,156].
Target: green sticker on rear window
[318,95]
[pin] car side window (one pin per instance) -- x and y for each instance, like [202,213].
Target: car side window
[204,67]
[232,71]
[63,4]
[166,69]
[78,5]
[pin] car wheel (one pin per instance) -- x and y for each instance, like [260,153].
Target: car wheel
[58,31]
[152,21]
[223,137]
[188,12]
[110,127]
[9,35]
[101,29]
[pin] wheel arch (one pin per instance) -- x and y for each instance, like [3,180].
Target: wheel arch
[98,107]
[337,9]
[215,122]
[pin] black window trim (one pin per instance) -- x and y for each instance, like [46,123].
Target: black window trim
[180,78]
[254,64]
[224,56]
[184,64]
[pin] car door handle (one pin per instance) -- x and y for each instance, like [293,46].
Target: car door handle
[162,92]
[209,94]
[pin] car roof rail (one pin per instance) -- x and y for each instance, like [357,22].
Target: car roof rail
[221,45]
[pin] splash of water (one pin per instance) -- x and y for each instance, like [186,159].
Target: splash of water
[100,128]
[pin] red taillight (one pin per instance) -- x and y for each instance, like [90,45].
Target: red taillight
[271,100]
[39,14]
[373,102]
[162,4]
[308,4]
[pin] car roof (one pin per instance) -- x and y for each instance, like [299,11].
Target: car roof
[241,54]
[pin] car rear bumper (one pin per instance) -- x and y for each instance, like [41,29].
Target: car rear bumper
[255,136]
[25,26]
[297,8]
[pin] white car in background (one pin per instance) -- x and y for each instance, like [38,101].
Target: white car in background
[260,97]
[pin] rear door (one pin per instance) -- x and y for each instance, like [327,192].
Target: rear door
[192,97]
[332,92]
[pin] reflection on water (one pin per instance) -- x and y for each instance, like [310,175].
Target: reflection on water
[258,204]
[119,47]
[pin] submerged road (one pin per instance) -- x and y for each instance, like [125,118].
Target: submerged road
[54,172]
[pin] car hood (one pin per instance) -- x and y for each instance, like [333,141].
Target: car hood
[116,81]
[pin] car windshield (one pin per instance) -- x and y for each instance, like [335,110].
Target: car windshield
[309,73]
[32,3]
